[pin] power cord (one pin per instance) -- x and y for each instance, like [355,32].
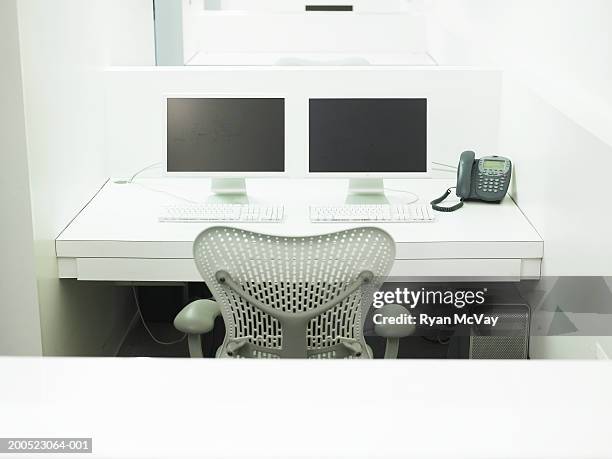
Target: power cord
[444,165]
[447,171]
[164,343]
[437,340]
[167,193]
[131,181]
[416,196]
[144,169]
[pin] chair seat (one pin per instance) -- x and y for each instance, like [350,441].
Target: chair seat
[266,355]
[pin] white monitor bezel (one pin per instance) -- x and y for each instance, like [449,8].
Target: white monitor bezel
[374,175]
[220,95]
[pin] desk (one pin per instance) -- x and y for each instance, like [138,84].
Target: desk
[117,236]
[361,409]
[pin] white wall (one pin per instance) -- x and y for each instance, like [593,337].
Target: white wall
[560,48]
[463,104]
[190,37]
[319,32]
[65,46]
[555,122]
[19,317]
[131,32]
[562,177]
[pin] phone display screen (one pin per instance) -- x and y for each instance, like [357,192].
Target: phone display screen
[493,165]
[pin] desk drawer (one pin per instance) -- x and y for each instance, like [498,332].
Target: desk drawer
[138,269]
[184,270]
[498,270]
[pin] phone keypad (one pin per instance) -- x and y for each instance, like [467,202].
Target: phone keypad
[491,183]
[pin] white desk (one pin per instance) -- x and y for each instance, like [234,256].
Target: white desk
[117,237]
[361,409]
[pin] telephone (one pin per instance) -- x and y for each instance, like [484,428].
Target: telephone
[486,179]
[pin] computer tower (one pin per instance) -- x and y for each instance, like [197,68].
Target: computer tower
[509,339]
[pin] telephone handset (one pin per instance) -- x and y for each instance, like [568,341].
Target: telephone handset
[486,179]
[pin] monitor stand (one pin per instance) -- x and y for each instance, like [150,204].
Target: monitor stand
[228,191]
[366,191]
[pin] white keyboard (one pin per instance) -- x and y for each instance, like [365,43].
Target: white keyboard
[413,213]
[222,213]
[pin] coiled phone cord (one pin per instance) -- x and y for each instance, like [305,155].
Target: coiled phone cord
[435,202]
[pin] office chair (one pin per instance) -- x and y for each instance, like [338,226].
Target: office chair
[291,297]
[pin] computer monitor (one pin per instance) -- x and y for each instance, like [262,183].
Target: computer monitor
[226,138]
[367,139]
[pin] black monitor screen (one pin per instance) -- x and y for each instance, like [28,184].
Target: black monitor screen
[368,135]
[225,135]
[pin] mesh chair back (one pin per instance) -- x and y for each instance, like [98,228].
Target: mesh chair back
[294,277]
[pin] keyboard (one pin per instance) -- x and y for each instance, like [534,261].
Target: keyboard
[222,213]
[412,213]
